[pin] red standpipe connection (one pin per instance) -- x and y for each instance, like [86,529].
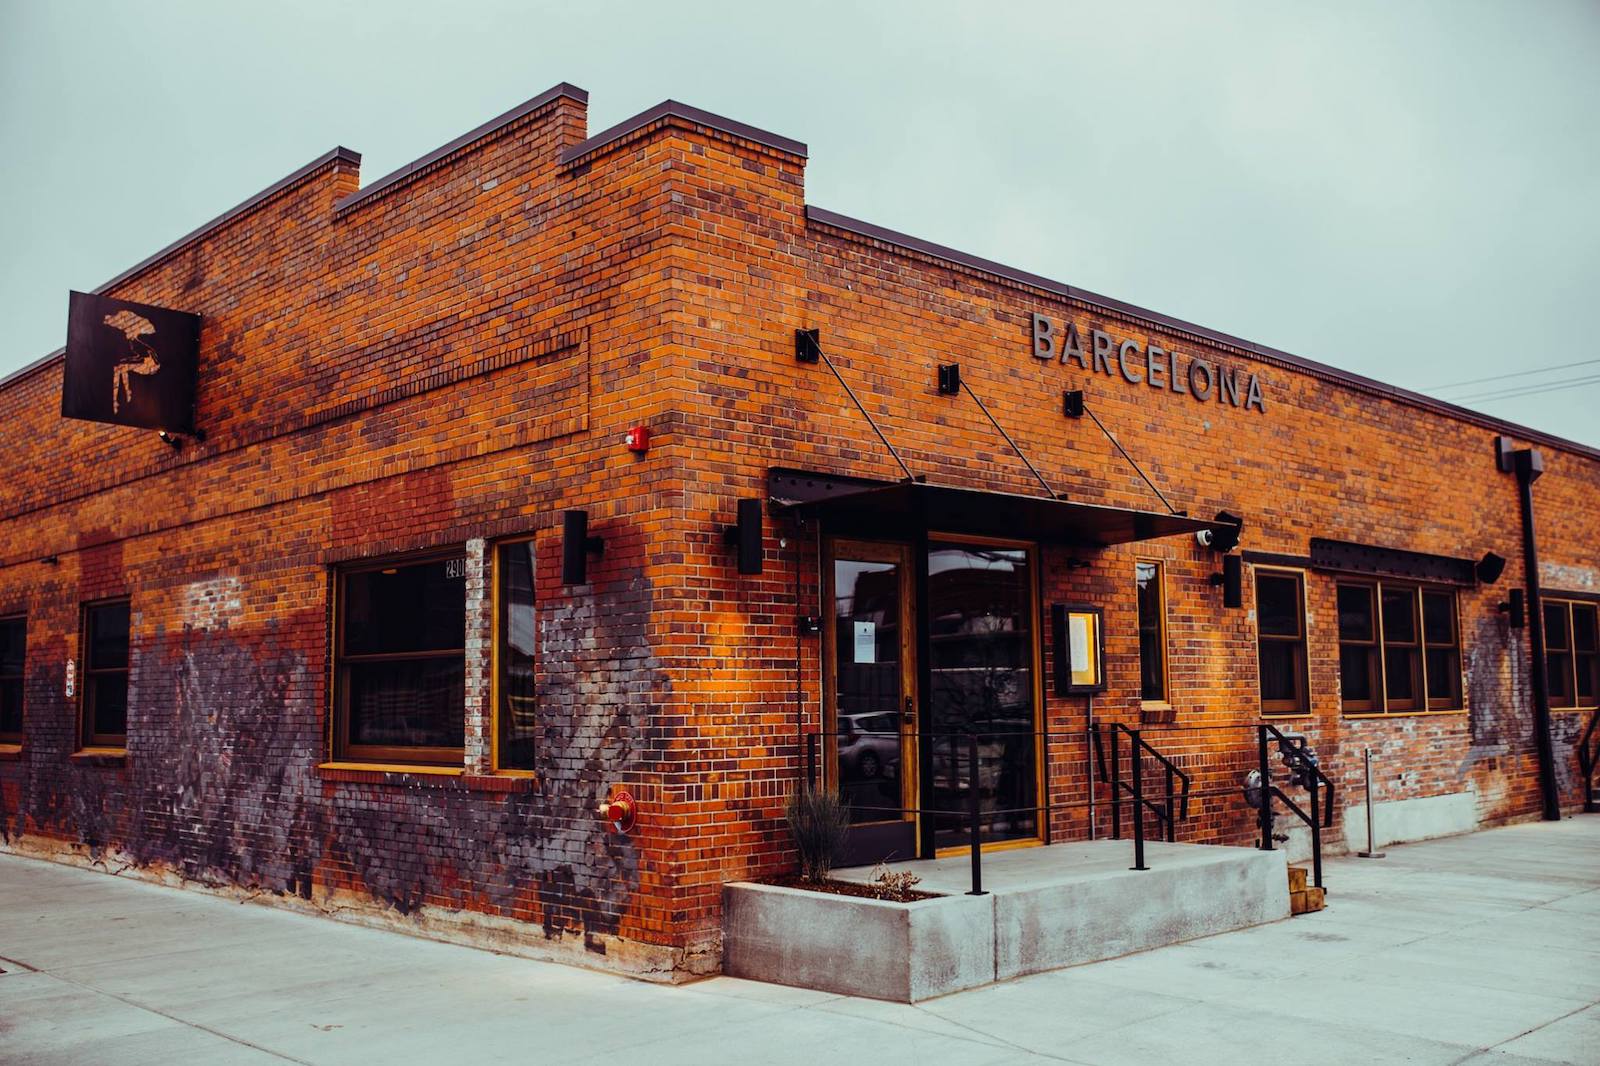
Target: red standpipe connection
[619,810]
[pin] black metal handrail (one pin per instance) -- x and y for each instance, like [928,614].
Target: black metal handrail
[1167,813]
[1309,775]
[973,797]
[1588,757]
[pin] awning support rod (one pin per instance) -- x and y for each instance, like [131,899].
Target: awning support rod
[817,347]
[995,422]
[1118,445]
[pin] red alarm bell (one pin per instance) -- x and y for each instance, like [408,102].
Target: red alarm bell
[638,439]
[619,811]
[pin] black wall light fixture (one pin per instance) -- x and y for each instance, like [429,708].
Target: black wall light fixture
[576,544]
[745,536]
[1232,581]
[1515,609]
[1490,567]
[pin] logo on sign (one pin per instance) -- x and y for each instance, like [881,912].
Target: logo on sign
[130,364]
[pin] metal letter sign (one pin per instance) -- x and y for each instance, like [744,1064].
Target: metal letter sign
[130,364]
[1150,365]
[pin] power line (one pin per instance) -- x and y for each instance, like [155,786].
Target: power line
[1513,374]
[1528,390]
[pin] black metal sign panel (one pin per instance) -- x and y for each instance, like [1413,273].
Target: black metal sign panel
[130,364]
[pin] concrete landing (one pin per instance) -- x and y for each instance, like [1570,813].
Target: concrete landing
[1047,908]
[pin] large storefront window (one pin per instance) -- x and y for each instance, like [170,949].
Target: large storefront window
[401,681]
[1281,641]
[1572,654]
[105,674]
[1399,648]
[515,645]
[1152,632]
[13,638]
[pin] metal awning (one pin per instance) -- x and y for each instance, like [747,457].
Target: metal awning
[865,506]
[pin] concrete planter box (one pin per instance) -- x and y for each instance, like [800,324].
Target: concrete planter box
[861,947]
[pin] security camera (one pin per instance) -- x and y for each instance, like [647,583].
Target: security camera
[1204,537]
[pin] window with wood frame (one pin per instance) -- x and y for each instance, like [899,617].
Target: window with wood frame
[514,656]
[1399,648]
[13,641]
[104,685]
[400,661]
[1152,632]
[1572,653]
[1281,641]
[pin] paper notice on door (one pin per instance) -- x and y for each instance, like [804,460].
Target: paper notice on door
[866,642]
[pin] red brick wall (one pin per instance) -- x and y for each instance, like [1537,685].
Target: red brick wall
[1322,460]
[456,359]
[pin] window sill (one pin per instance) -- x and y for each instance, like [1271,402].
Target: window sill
[1573,710]
[1371,715]
[1156,712]
[10,752]
[100,757]
[441,777]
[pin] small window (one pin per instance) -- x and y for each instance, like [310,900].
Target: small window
[1586,652]
[1441,649]
[1281,641]
[1152,633]
[1572,658]
[1402,658]
[1558,654]
[1399,648]
[400,679]
[105,675]
[1358,647]
[13,638]
[515,646]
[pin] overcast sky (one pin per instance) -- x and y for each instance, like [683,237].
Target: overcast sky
[1407,190]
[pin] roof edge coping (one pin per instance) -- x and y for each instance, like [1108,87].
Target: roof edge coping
[667,109]
[396,178]
[1156,318]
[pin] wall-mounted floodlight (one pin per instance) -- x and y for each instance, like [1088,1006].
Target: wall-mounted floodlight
[1490,567]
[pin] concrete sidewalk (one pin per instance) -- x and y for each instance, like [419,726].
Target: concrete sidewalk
[1480,949]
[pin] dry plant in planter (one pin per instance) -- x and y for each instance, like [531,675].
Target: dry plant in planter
[896,886]
[819,820]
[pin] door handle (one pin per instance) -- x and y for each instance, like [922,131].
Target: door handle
[909,714]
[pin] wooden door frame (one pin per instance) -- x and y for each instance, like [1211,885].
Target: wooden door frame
[1035,623]
[900,553]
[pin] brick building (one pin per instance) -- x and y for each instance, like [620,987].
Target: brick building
[332,650]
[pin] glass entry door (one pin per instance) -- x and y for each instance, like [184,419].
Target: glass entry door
[984,670]
[871,641]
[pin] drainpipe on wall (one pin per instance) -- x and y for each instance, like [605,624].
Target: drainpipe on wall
[1528,464]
